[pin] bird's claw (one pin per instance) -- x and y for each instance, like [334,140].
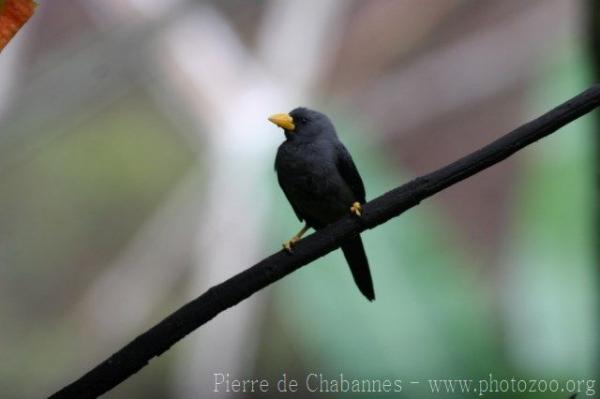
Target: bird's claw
[356,209]
[290,244]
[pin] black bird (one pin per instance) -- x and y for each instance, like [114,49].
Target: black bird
[321,182]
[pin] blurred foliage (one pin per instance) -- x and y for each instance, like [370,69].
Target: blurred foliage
[112,170]
[551,254]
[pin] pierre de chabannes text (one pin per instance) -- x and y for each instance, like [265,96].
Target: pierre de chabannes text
[340,383]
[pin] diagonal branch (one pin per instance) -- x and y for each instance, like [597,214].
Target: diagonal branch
[135,355]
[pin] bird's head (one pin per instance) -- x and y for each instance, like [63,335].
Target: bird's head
[303,124]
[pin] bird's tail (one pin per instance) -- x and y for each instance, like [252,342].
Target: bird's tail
[354,252]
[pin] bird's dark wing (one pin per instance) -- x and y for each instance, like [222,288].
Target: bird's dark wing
[287,195]
[349,173]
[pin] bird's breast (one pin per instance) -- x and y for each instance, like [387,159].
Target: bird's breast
[313,184]
[306,166]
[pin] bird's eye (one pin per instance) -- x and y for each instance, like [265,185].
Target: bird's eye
[303,120]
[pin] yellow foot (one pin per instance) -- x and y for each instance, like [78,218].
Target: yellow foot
[356,209]
[290,244]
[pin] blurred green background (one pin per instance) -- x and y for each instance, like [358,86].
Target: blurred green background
[136,171]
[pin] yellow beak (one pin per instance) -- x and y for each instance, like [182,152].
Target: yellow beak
[284,121]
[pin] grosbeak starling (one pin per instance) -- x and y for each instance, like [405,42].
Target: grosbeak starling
[321,182]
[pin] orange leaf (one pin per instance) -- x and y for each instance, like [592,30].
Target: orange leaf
[13,15]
